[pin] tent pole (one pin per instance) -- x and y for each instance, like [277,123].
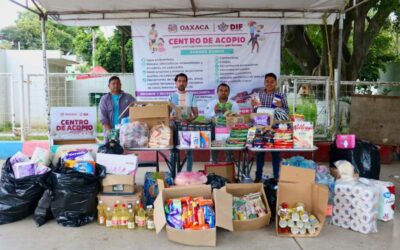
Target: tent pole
[45,70]
[339,72]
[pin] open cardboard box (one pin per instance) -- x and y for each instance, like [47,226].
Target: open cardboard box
[223,207]
[156,113]
[206,237]
[297,185]
[224,169]
[118,184]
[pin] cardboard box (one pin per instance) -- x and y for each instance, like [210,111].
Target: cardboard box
[118,184]
[110,200]
[232,120]
[297,185]
[118,164]
[206,237]
[223,204]
[226,170]
[154,114]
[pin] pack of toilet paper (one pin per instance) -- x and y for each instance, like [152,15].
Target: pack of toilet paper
[356,205]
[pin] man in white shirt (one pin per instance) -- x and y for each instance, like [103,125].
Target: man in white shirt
[218,107]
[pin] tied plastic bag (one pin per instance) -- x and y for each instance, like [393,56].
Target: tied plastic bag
[19,197]
[364,157]
[134,135]
[190,178]
[216,181]
[111,147]
[73,197]
[160,136]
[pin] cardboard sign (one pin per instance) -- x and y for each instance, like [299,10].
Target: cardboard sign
[73,123]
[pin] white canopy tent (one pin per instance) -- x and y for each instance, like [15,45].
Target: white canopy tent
[124,12]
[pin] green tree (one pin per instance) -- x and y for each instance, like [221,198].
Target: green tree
[83,42]
[310,47]
[110,54]
[27,32]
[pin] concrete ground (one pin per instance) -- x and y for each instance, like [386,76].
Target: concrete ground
[25,235]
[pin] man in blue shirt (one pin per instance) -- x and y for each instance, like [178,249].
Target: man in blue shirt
[113,104]
[188,111]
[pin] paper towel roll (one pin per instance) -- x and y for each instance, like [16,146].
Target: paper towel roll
[355,225]
[367,217]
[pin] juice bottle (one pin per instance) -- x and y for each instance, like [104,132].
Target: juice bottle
[141,217]
[124,216]
[136,210]
[116,217]
[109,215]
[101,213]
[150,218]
[131,220]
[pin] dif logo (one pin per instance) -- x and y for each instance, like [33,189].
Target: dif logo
[233,27]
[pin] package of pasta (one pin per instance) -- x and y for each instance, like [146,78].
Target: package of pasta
[160,136]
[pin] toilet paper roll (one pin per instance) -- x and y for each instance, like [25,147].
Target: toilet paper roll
[345,223]
[354,213]
[367,218]
[336,210]
[338,190]
[367,195]
[346,213]
[336,221]
[369,206]
[355,225]
[337,201]
[367,228]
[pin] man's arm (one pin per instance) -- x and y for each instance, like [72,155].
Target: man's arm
[104,114]
[209,113]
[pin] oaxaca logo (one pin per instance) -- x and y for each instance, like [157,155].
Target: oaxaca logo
[194,27]
[223,27]
[172,28]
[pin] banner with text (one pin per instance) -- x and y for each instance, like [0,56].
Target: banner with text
[73,123]
[238,52]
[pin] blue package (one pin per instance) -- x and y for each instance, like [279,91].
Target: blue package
[151,187]
[84,167]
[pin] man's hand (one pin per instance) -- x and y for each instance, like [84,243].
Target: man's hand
[278,104]
[254,102]
[216,108]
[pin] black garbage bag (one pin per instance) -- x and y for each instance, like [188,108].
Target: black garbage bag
[270,189]
[216,181]
[364,157]
[111,147]
[43,212]
[19,197]
[72,195]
